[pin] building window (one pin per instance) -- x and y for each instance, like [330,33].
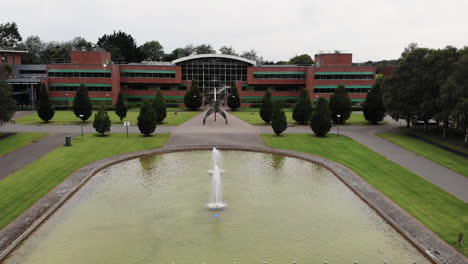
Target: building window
[280,76]
[158,75]
[344,76]
[83,74]
[90,88]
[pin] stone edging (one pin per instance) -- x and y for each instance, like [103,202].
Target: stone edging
[424,239]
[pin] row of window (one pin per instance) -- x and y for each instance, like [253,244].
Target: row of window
[75,88]
[32,72]
[147,75]
[282,88]
[280,76]
[349,90]
[79,74]
[345,77]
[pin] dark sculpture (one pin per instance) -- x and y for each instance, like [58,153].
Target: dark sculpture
[215,108]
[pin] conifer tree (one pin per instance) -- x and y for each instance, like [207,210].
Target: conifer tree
[303,109]
[159,107]
[233,100]
[373,107]
[7,103]
[320,122]
[121,107]
[340,104]
[147,119]
[82,104]
[101,122]
[278,119]
[45,110]
[267,107]
[193,97]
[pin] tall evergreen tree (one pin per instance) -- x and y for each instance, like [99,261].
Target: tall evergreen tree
[147,119]
[193,97]
[121,107]
[267,107]
[373,107]
[101,122]
[159,107]
[233,100]
[82,104]
[340,104]
[7,103]
[45,110]
[278,119]
[303,109]
[321,123]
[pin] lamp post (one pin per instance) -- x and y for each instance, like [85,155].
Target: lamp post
[338,127]
[82,121]
[68,105]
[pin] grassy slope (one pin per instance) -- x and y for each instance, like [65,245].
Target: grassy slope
[14,142]
[253,117]
[23,188]
[441,212]
[445,158]
[68,118]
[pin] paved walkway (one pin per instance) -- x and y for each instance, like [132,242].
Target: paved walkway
[27,154]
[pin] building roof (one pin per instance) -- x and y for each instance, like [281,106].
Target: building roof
[14,51]
[200,56]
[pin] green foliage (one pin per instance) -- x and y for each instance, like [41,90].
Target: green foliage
[233,100]
[101,122]
[267,107]
[228,51]
[340,104]
[302,112]
[301,59]
[82,104]
[147,119]
[7,103]
[159,106]
[193,97]
[278,119]
[121,45]
[321,123]
[45,110]
[373,107]
[121,107]
[9,35]
[151,51]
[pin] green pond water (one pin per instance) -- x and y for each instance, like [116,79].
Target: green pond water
[153,210]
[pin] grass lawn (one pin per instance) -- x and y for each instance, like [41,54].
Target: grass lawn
[17,141]
[441,212]
[453,141]
[445,158]
[23,188]
[253,118]
[69,118]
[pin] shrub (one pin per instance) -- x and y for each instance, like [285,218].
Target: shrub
[267,108]
[340,104]
[193,97]
[278,119]
[302,112]
[233,100]
[121,107]
[45,110]
[373,107]
[159,107]
[147,119]
[320,122]
[82,104]
[101,122]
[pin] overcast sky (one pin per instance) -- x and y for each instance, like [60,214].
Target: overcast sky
[278,30]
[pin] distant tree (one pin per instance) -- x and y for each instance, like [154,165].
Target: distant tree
[56,52]
[301,59]
[101,122]
[252,55]
[204,49]
[82,104]
[80,43]
[159,107]
[278,119]
[320,122]
[9,35]
[121,45]
[303,109]
[340,104]
[193,97]
[373,107]
[267,107]
[7,103]
[121,107]
[228,51]
[147,119]
[233,100]
[35,48]
[151,51]
[179,53]
[45,110]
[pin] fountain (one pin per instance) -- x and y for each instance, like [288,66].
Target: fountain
[216,201]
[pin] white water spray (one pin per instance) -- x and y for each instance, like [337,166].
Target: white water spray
[216,199]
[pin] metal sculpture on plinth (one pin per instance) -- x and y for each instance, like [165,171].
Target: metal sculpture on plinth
[215,107]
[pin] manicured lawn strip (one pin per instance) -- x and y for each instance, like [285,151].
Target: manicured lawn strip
[440,211]
[443,157]
[14,142]
[69,118]
[453,141]
[22,189]
[254,118]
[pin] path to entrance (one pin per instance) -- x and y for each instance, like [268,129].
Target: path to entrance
[194,133]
